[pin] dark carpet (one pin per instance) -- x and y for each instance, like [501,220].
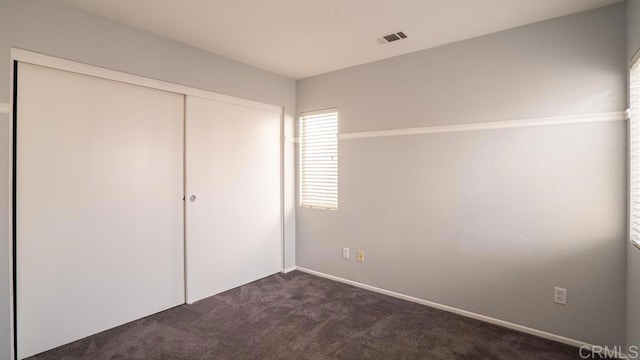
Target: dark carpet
[301,316]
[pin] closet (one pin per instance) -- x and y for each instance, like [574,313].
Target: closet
[132,199]
[233,213]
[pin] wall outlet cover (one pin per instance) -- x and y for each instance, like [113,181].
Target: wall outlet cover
[345,253]
[560,295]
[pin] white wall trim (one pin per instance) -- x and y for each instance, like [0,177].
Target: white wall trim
[465,313]
[85,69]
[4,108]
[289,139]
[12,335]
[289,269]
[493,125]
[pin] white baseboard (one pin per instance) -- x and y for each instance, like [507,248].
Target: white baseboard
[465,313]
[289,269]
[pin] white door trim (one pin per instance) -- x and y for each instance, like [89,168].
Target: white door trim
[80,68]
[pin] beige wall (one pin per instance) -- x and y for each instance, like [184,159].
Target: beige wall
[486,221]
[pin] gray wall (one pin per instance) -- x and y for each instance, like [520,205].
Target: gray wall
[487,221]
[633,255]
[55,29]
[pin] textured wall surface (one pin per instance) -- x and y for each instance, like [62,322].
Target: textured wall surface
[486,221]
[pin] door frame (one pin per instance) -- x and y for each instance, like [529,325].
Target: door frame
[30,57]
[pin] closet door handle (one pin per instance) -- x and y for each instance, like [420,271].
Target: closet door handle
[192,198]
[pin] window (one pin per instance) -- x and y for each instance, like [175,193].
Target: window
[318,171]
[634,155]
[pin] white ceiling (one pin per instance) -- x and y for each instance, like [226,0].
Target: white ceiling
[302,38]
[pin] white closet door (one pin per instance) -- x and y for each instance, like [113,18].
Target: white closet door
[233,212]
[99,205]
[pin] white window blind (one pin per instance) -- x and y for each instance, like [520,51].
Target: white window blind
[318,168]
[634,155]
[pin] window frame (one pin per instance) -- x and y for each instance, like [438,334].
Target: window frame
[633,114]
[329,134]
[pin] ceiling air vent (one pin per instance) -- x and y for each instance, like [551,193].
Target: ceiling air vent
[385,39]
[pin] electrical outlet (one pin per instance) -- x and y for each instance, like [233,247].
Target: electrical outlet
[345,253]
[560,296]
[361,256]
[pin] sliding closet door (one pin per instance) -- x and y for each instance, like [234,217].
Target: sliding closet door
[99,205]
[233,208]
